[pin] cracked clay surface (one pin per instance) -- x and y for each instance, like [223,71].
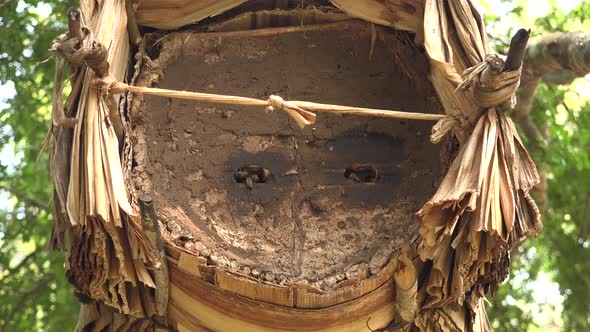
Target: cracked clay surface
[307,222]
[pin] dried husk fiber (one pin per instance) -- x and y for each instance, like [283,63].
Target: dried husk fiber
[107,257]
[482,208]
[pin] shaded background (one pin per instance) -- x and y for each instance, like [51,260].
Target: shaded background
[549,284]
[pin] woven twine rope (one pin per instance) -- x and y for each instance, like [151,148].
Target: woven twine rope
[491,89]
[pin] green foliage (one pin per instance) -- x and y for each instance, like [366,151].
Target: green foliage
[34,294]
[508,311]
[563,250]
[567,162]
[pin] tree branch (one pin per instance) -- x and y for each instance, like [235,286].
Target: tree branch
[516,51]
[75,24]
[6,3]
[522,116]
[565,76]
[12,271]
[28,200]
[556,58]
[557,52]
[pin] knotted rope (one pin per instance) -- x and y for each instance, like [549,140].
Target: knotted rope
[299,115]
[458,124]
[78,46]
[491,86]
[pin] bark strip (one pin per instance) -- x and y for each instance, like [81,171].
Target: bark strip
[151,228]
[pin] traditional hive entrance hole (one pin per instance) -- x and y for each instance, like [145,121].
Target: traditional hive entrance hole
[254,193]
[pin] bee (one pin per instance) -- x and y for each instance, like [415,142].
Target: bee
[249,175]
[249,183]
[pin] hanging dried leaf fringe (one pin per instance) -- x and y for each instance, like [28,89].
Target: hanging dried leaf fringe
[108,256]
[481,209]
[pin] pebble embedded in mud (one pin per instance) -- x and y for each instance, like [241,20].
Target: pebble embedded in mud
[269,276]
[318,285]
[227,114]
[330,281]
[201,249]
[234,266]
[176,231]
[223,262]
[190,246]
[173,226]
[256,272]
[379,260]
[354,271]
[281,279]
[185,235]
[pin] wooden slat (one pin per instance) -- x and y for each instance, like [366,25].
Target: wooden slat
[172,14]
[208,273]
[190,263]
[184,321]
[300,296]
[399,14]
[263,19]
[313,300]
[221,310]
[254,289]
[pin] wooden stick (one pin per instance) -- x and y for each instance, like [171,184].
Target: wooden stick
[246,101]
[151,228]
[516,51]
[197,96]
[58,116]
[75,24]
[406,286]
[328,108]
